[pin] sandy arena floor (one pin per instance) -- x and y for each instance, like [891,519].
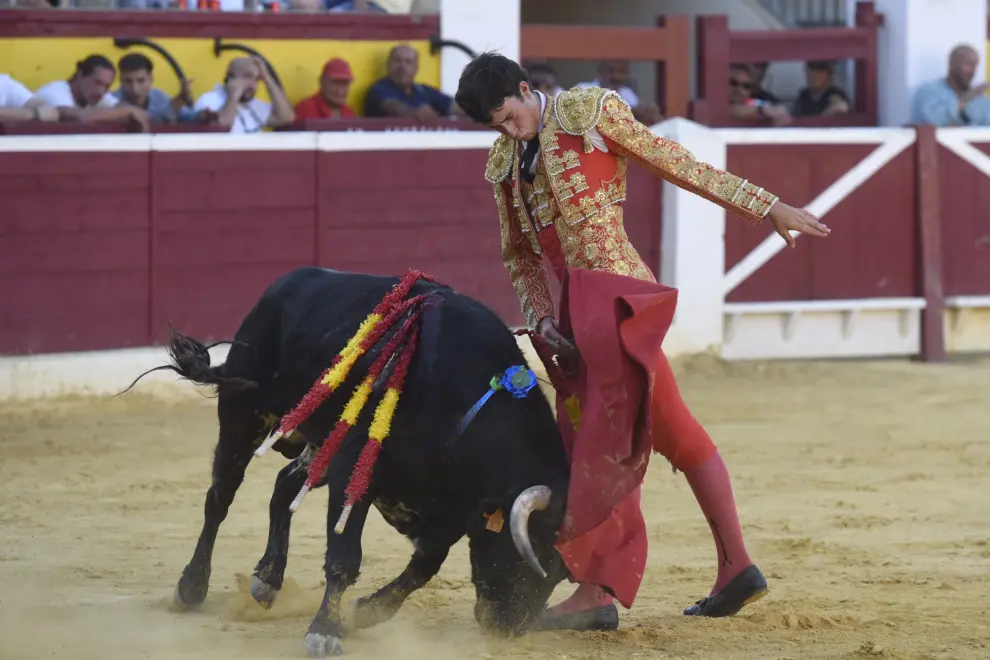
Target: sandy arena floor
[863,488]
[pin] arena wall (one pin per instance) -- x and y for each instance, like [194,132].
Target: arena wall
[106,242]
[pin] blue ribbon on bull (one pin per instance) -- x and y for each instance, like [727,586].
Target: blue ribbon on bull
[517,381]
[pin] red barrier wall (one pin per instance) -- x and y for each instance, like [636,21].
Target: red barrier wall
[872,252]
[106,250]
[964,205]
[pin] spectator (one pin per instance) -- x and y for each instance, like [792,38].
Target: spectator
[136,89]
[758,71]
[331,101]
[87,88]
[614,74]
[355,5]
[84,97]
[13,96]
[821,97]
[399,95]
[542,77]
[953,101]
[12,93]
[234,106]
[746,108]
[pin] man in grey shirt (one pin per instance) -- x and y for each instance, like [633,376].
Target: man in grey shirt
[137,89]
[953,101]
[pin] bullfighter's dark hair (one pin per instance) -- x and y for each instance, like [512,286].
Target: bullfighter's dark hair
[87,66]
[485,83]
[135,62]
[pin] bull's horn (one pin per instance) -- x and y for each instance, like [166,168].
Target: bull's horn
[534,498]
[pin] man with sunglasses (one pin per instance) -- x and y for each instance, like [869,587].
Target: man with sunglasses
[746,106]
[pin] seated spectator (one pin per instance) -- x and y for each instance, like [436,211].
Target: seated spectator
[542,77]
[614,74]
[12,93]
[758,71]
[137,90]
[953,100]
[331,101]
[746,108]
[13,96]
[821,97]
[233,104]
[354,5]
[399,95]
[85,97]
[87,88]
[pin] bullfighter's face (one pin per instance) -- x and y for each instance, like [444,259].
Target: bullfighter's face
[510,594]
[519,116]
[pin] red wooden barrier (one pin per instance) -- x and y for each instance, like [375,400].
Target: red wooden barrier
[717,48]
[105,250]
[668,44]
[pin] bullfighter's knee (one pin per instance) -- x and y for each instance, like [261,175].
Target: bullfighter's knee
[680,437]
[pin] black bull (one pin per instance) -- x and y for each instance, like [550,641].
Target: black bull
[510,457]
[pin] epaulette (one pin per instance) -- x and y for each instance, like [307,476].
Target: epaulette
[578,110]
[500,159]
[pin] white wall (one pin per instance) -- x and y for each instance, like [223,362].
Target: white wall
[481,25]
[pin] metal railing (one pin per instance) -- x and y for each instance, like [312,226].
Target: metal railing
[808,13]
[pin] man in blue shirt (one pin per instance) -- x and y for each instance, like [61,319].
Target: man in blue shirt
[952,101]
[137,90]
[399,95]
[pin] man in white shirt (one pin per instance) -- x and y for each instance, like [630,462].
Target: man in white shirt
[12,93]
[233,105]
[13,96]
[88,87]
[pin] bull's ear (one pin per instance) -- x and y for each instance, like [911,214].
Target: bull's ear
[490,516]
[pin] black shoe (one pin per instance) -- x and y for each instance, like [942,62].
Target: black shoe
[605,617]
[747,587]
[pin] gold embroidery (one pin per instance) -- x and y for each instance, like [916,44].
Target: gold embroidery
[578,110]
[500,159]
[540,200]
[674,163]
[576,184]
[524,264]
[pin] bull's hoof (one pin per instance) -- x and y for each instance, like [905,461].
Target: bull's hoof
[264,594]
[370,611]
[191,590]
[323,646]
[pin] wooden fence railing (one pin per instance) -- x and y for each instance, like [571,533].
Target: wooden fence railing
[717,48]
[668,44]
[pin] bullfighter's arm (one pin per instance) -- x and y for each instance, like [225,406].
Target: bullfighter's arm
[672,162]
[525,267]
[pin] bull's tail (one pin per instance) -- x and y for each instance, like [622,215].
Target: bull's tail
[190,359]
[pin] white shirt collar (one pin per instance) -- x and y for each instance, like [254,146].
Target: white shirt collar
[543,108]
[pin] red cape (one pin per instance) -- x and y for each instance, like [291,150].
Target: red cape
[618,324]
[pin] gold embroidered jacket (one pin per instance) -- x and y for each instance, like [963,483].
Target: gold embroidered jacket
[579,187]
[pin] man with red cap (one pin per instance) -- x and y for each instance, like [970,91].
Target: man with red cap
[331,101]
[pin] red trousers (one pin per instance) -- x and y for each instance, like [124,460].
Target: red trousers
[629,406]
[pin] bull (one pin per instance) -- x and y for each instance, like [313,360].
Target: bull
[435,480]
